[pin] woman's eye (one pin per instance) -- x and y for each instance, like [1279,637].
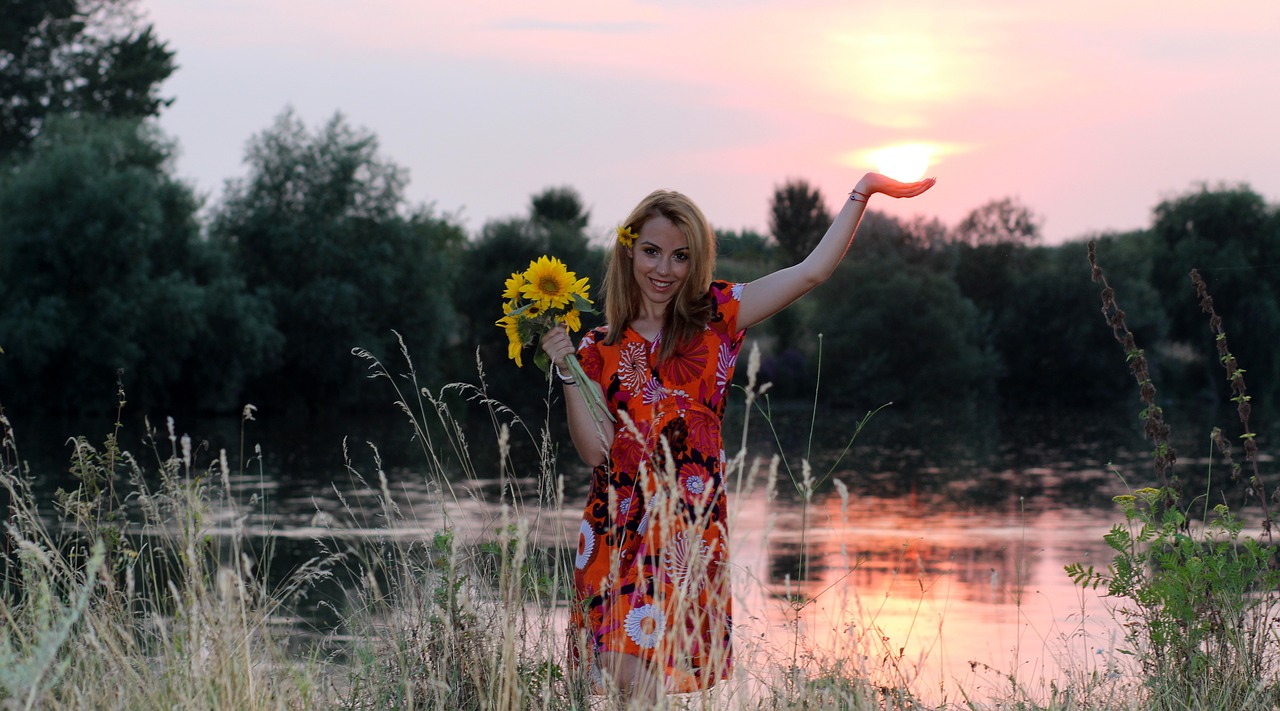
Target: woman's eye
[650,251]
[682,257]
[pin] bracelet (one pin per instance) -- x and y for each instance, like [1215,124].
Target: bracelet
[854,192]
[563,378]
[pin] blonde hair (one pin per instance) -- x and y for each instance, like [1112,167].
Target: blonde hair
[688,313]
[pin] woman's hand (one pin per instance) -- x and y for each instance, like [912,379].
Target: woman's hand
[557,345]
[873,183]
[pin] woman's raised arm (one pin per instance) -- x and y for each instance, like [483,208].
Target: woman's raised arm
[774,292]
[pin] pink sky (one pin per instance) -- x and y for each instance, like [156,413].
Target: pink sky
[1089,112]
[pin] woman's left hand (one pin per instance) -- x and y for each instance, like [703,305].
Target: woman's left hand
[873,183]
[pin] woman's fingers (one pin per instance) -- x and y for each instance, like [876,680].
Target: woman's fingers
[897,189]
[556,343]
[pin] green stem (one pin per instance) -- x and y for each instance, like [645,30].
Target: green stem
[590,391]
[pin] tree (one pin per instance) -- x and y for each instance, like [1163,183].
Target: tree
[798,218]
[1232,236]
[902,334]
[320,229]
[559,206]
[102,269]
[1003,221]
[75,57]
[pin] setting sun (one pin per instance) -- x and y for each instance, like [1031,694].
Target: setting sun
[905,161]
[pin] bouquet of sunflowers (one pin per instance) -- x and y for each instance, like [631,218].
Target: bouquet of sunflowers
[536,299]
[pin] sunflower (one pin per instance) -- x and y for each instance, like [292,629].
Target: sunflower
[581,288]
[513,285]
[515,344]
[573,319]
[549,283]
[626,236]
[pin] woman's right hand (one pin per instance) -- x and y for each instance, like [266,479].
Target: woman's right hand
[557,344]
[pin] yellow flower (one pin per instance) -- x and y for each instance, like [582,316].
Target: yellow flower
[549,282]
[515,346]
[513,285]
[581,288]
[626,237]
[573,319]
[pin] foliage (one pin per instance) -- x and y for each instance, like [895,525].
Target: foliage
[798,217]
[78,58]
[1196,598]
[102,269]
[1197,608]
[1002,221]
[1232,236]
[320,230]
[905,335]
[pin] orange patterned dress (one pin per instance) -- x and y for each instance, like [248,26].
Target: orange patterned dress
[652,572]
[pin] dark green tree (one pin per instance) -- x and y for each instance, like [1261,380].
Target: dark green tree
[75,57]
[102,269]
[1002,221]
[1232,236]
[798,217]
[1045,325]
[559,206]
[321,231]
[901,333]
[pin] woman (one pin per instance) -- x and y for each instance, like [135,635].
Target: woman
[652,567]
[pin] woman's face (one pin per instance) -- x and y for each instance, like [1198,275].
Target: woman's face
[660,260]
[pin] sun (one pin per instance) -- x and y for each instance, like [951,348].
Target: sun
[904,161]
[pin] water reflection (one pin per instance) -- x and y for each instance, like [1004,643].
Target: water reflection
[938,595]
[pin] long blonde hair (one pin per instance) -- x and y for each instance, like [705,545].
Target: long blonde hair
[688,313]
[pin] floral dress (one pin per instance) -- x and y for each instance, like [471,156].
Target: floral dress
[652,572]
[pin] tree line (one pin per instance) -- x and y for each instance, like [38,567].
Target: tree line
[113,274]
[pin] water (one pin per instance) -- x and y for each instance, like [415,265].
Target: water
[940,567]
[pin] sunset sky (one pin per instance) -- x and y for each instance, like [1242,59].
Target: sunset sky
[1089,112]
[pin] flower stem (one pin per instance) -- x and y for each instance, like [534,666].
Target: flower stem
[590,391]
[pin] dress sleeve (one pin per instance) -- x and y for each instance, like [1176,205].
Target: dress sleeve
[589,354]
[728,298]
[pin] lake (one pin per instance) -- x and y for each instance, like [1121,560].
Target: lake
[936,561]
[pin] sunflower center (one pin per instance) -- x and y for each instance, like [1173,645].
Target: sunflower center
[550,286]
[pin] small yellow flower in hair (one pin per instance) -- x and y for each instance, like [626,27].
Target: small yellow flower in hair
[626,237]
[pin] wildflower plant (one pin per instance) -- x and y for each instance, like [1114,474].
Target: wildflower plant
[1196,595]
[536,300]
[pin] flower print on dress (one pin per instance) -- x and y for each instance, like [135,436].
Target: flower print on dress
[686,365]
[686,560]
[653,391]
[627,451]
[691,477]
[589,356]
[633,367]
[645,625]
[586,545]
[725,364]
[736,290]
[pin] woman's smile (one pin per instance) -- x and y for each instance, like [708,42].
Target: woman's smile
[660,260]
